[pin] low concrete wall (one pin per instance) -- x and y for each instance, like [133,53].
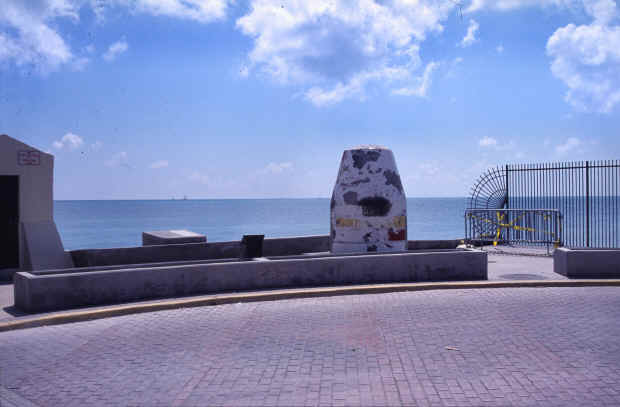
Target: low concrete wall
[587,263]
[35,293]
[433,244]
[154,254]
[284,246]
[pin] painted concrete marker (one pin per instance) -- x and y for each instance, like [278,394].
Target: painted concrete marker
[274,295]
[368,206]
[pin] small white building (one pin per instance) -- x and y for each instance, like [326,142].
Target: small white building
[29,239]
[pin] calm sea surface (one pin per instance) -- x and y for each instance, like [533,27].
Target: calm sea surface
[107,224]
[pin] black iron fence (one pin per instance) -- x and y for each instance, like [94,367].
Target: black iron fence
[586,193]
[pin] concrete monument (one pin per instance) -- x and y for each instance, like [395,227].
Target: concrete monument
[368,206]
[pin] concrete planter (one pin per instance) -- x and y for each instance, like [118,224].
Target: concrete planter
[587,263]
[72,288]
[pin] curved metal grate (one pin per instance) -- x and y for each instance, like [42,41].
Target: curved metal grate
[489,192]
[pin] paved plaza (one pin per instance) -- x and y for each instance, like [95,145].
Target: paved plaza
[476,347]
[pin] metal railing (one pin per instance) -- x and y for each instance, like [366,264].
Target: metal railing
[514,226]
[587,193]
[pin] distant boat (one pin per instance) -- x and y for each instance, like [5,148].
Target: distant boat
[185,197]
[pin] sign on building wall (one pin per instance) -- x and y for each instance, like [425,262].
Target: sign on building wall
[28,157]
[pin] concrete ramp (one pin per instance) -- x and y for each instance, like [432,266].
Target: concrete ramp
[43,249]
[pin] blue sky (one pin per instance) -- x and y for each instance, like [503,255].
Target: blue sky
[153,99]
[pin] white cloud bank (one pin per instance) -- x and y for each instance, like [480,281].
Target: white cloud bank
[29,39]
[587,59]
[336,49]
[29,34]
[115,50]
[333,50]
[69,141]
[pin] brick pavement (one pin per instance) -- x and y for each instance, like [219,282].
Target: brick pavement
[477,347]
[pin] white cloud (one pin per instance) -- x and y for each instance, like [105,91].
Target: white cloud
[69,141]
[470,37]
[118,160]
[499,49]
[587,59]
[29,39]
[29,33]
[335,49]
[277,168]
[570,144]
[115,50]
[159,164]
[487,142]
[354,87]
[203,11]
[423,83]
[603,11]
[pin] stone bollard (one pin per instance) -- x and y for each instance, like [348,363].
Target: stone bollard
[368,205]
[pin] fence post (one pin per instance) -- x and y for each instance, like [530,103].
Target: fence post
[507,207]
[587,204]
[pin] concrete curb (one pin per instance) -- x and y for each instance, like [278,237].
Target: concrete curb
[273,295]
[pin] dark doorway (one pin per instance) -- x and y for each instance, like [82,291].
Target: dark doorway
[9,221]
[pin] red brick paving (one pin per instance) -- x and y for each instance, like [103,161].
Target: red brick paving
[477,347]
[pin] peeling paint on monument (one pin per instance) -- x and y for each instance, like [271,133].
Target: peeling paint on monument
[368,205]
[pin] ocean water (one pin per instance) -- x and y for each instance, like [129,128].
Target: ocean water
[108,224]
